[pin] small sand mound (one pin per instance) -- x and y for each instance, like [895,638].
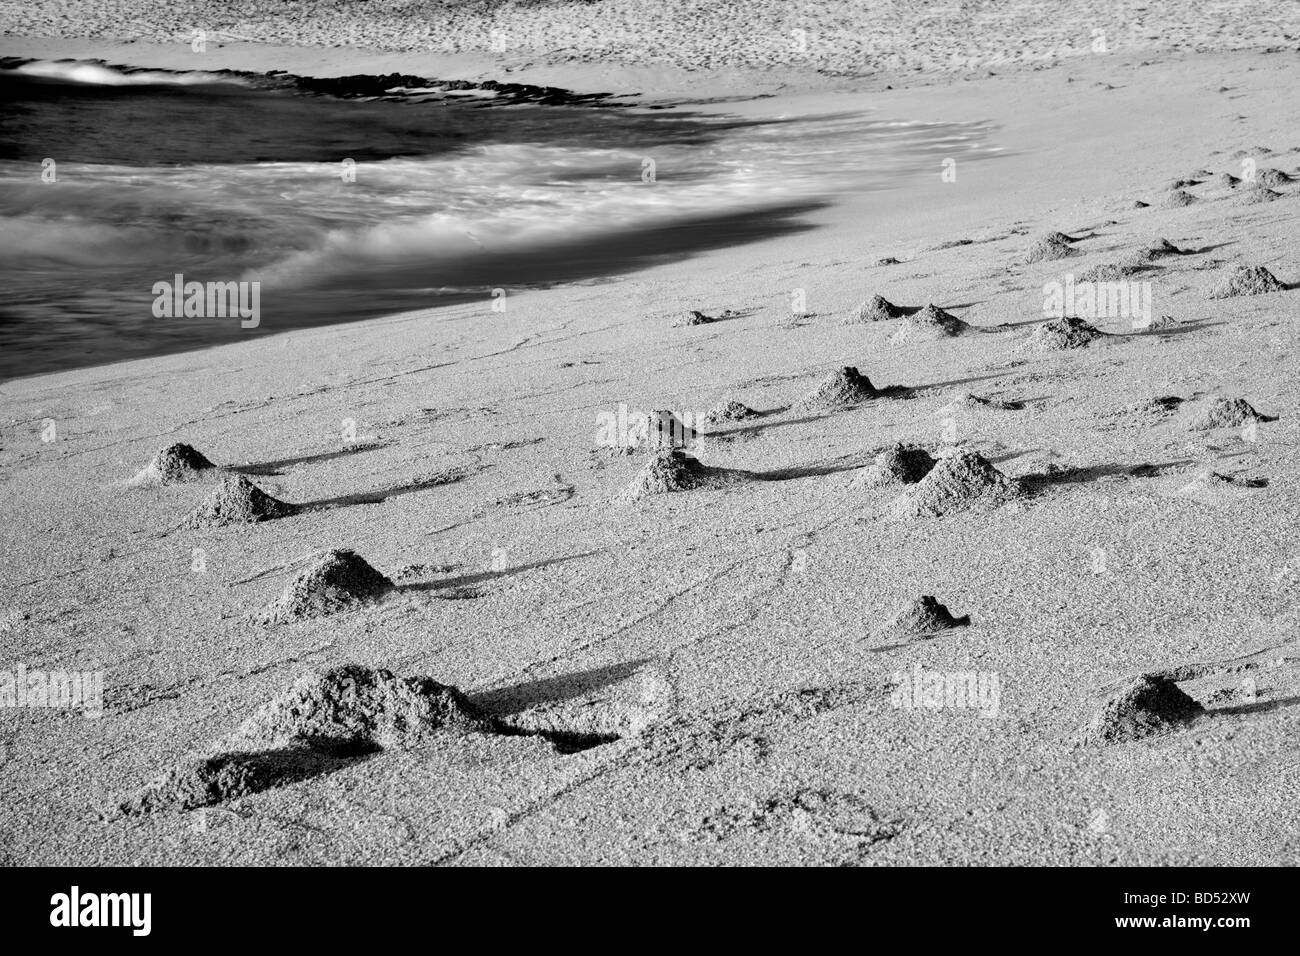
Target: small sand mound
[1211,487]
[961,482]
[842,388]
[238,501]
[1109,272]
[1255,195]
[1247,280]
[1178,199]
[920,617]
[665,430]
[971,400]
[1057,335]
[878,309]
[1225,181]
[1182,184]
[174,465]
[672,470]
[1145,706]
[1161,323]
[729,411]
[1053,245]
[340,580]
[1158,249]
[1273,177]
[1219,411]
[321,723]
[888,261]
[931,322]
[899,465]
[696,318]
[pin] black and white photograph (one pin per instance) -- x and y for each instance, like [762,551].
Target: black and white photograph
[650,433]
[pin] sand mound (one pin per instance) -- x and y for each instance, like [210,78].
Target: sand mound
[669,471]
[1181,184]
[1158,249]
[1145,706]
[340,580]
[1057,335]
[1219,411]
[971,400]
[1225,181]
[238,501]
[321,723]
[665,430]
[878,309]
[961,482]
[1255,195]
[1161,323]
[1053,245]
[899,465]
[1178,199]
[1109,272]
[354,708]
[696,318]
[1273,177]
[1247,280]
[918,618]
[841,389]
[174,465]
[729,411]
[931,322]
[1211,487]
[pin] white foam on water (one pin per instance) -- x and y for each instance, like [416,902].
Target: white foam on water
[98,74]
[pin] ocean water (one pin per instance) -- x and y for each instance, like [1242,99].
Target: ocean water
[346,208]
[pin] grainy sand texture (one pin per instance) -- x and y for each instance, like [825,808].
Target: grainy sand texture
[999,568]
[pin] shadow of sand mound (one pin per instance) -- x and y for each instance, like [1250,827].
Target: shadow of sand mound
[276,466]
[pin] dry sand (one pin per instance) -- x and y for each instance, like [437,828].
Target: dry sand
[691,677]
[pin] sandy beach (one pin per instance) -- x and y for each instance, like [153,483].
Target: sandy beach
[716,654]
